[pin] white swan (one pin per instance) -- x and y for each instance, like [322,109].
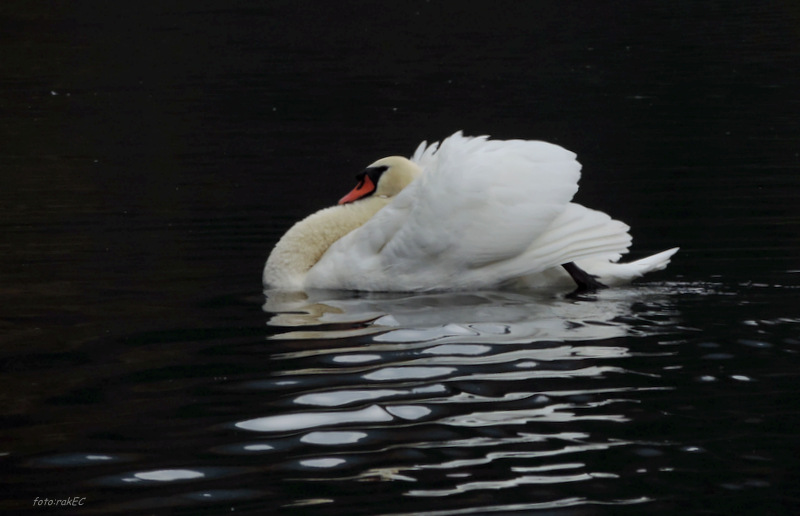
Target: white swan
[466,214]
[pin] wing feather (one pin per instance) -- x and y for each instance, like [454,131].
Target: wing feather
[478,202]
[482,200]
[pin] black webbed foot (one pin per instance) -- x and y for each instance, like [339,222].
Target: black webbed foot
[585,281]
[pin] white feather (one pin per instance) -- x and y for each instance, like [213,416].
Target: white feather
[483,213]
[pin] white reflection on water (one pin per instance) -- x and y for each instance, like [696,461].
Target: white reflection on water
[558,412]
[513,482]
[493,316]
[332,438]
[458,392]
[291,422]
[432,339]
[527,508]
[168,475]
[348,396]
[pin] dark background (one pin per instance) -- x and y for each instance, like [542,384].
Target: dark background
[181,117]
[152,153]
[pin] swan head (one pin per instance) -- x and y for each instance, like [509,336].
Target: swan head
[385,178]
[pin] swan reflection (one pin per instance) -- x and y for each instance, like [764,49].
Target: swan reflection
[474,317]
[495,390]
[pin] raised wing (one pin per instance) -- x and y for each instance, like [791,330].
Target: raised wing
[482,200]
[477,203]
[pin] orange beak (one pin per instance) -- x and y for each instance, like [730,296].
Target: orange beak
[362,189]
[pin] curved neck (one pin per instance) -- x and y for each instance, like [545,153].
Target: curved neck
[305,243]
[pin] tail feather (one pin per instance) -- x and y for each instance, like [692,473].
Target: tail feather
[611,273]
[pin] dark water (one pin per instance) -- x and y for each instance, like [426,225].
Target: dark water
[151,156]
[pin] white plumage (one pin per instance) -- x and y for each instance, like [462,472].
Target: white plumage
[469,213]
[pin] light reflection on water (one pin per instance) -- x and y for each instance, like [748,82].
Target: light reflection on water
[482,387]
[496,317]
[486,402]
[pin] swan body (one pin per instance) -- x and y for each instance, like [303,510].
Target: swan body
[469,213]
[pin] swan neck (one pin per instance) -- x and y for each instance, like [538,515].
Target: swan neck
[305,242]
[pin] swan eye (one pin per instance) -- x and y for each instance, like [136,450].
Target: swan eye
[374,173]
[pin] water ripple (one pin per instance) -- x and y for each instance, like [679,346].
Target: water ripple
[492,390]
[503,398]
[292,422]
